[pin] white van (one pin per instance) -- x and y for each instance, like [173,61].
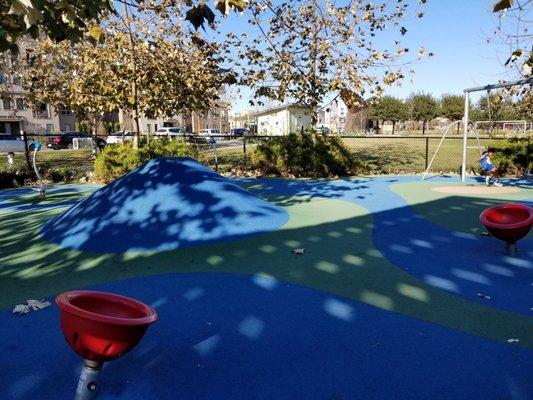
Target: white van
[209,132]
[170,131]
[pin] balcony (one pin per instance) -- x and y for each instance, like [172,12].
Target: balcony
[41,114]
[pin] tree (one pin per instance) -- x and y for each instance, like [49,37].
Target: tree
[171,73]
[424,108]
[513,32]
[452,107]
[501,107]
[305,50]
[59,20]
[388,108]
[79,19]
[524,107]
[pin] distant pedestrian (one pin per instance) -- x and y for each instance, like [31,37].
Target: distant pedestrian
[10,160]
[488,168]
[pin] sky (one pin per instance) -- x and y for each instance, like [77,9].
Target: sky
[455,30]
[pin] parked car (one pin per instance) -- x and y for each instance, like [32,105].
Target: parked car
[120,137]
[209,132]
[14,144]
[64,140]
[239,132]
[324,130]
[170,131]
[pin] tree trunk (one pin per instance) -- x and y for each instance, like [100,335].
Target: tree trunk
[393,126]
[94,132]
[137,125]
[314,85]
[134,89]
[423,127]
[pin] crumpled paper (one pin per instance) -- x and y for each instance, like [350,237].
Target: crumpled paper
[31,305]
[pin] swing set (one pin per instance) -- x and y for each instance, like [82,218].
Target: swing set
[467,126]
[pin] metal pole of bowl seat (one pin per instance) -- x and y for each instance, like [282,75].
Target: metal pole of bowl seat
[88,383]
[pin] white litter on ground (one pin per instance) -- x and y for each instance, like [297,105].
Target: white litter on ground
[513,340]
[298,251]
[21,309]
[31,305]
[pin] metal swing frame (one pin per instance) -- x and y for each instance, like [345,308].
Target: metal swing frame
[487,88]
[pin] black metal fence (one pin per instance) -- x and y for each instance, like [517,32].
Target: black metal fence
[71,158]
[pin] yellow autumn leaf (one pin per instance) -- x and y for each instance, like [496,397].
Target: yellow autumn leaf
[96,33]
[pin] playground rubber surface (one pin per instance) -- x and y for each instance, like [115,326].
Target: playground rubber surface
[397,295]
[475,190]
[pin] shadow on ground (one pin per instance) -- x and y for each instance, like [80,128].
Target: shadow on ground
[233,336]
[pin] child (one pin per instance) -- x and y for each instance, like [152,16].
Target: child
[488,168]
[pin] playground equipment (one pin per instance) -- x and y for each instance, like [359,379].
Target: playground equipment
[513,127]
[508,222]
[487,88]
[438,147]
[101,327]
[213,143]
[41,188]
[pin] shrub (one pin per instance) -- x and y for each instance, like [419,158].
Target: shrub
[14,178]
[65,175]
[162,147]
[117,160]
[302,155]
[513,157]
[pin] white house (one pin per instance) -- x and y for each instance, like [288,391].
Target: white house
[283,120]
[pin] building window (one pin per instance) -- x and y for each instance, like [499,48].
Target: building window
[6,104]
[155,127]
[49,128]
[66,112]
[42,112]
[67,128]
[149,127]
[20,104]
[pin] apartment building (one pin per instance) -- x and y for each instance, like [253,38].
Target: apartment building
[15,115]
[333,116]
[217,118]
[243,119]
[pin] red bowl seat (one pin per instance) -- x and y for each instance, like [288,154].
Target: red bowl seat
[102,326]
[508,222]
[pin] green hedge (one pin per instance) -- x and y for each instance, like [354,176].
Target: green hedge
[514,157]
[117,160]
[306,155]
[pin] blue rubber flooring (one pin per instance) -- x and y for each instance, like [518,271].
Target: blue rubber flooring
[252,337]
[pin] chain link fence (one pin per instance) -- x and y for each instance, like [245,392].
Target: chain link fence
[380,154]
[71,158]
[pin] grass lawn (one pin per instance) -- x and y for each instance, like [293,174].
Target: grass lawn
[404,155]
[46,159]
[381,155]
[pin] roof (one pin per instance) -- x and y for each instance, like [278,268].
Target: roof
[282,107]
